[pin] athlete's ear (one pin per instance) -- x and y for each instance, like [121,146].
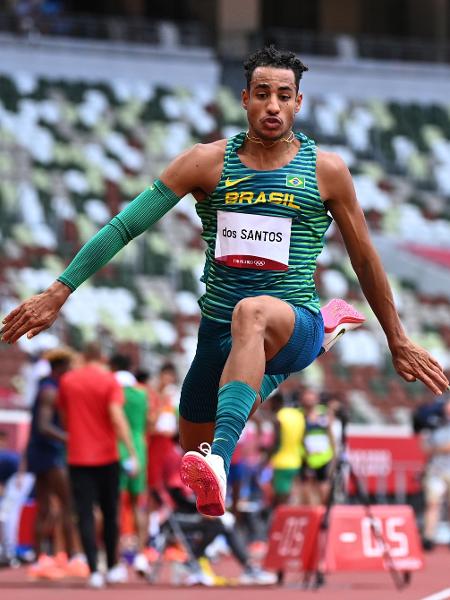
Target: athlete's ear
[298,102]
[245,97]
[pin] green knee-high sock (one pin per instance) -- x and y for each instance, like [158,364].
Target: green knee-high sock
[235,402]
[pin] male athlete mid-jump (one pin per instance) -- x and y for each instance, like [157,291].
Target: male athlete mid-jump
[265,197]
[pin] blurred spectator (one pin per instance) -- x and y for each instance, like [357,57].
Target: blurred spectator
[45,458]
[136,413]
[163,428]
[429,416]
[318,449]
[286,460]
[37,16]
[32,372]
[248,479]
[437,474]
[9,461]
[236,477]
[15,488]
[90,401]
[166,385]
[338,412]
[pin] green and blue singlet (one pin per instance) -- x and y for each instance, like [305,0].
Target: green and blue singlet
[263,231]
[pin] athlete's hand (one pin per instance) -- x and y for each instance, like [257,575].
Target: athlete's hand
[412,362]
[131,466]
[35,314]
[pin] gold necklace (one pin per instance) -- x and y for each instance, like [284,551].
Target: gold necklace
[289,139]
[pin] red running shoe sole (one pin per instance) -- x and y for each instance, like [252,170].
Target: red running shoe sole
[337,312]
[198,475]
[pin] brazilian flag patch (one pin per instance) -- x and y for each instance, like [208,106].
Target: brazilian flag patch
[295,181]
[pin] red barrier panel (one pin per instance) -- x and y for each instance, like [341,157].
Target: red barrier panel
[350,543]
[396,462]
[293,538]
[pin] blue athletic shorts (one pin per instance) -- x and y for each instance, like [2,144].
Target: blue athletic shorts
[41,459]
[198,402]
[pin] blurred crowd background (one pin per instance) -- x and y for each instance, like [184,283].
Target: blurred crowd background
[94,101]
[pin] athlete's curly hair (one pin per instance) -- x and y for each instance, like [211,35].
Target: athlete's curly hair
[272,57]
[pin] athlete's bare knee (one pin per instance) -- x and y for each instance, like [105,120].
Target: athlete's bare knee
[249,313]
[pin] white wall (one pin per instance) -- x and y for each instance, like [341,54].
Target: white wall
[74,59]
[386,80]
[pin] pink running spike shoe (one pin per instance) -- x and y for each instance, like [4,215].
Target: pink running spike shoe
[204,473]
[338,317]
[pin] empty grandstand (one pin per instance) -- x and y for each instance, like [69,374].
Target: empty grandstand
[74,150]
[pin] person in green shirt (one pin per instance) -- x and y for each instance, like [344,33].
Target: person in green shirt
[136,413]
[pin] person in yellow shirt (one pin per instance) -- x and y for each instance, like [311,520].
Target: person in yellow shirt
[286,458]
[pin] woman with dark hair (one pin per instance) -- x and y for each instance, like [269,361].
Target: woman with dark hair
[45,458]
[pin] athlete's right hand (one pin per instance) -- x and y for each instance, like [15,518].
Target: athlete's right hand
[413,362]
[35,314]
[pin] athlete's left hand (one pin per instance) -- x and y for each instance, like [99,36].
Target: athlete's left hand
[412,362]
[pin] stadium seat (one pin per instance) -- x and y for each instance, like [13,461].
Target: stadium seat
[73,153]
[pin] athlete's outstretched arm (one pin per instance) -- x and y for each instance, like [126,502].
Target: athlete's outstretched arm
[336,187]
[40,311]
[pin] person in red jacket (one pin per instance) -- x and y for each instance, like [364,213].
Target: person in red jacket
[90,401]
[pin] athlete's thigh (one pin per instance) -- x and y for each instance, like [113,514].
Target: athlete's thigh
[304,345]
[198,400]
[42,491]
[59,484]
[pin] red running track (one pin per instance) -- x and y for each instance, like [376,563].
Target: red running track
[435,578]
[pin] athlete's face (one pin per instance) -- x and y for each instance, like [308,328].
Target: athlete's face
[271,102]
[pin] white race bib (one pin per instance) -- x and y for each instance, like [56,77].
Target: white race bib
[253,241]
[316,443]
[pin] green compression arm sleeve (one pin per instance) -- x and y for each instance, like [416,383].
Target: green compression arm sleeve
[139,215]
